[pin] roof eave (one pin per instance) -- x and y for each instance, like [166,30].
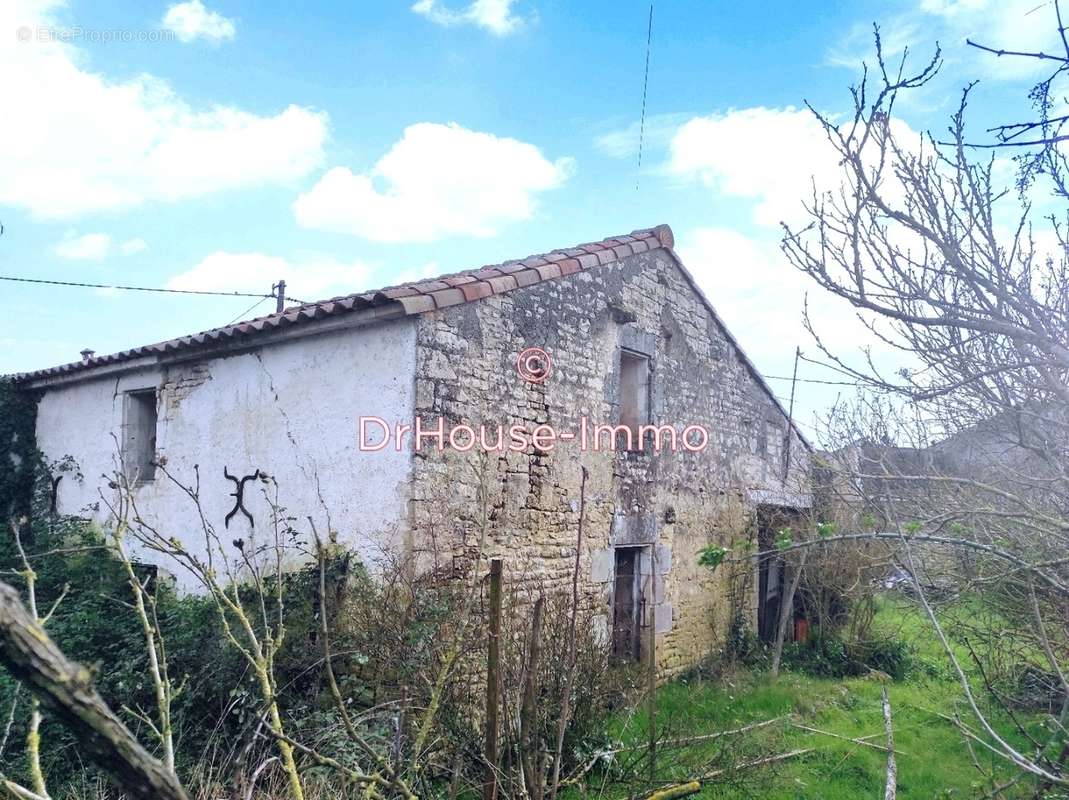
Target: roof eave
[221,348]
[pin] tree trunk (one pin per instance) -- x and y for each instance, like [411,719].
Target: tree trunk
[786,614]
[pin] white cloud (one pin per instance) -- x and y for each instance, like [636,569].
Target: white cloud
[767,155]
[1006,24]
[191,20]
[858,46]
[1026,25]
[96,247]
[758,292]
[84,143]
[774,158]
[308,278]
[761,298]
[655,134]
[494,16]
[414,274]
[133,246]
[89,247]
[437,181]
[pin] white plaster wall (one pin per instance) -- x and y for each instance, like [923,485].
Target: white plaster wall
[288,409]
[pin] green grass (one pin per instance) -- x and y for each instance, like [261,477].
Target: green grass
[933,759]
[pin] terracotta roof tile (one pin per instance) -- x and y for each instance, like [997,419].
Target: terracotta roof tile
[476,290]
[450,297]
[416,297]
[399,292]
[527,277]
[430,286]
[505,283]
[417,304]
[548,271]
[568,266]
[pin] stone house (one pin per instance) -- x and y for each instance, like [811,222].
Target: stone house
[314,396]
[1021,452]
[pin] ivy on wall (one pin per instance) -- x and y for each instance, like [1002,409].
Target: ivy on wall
[18,449]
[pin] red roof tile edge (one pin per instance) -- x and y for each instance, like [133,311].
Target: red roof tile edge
[416,297]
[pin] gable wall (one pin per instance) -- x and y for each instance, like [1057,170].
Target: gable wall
[680,502]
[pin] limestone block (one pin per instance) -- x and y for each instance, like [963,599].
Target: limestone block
[601,565]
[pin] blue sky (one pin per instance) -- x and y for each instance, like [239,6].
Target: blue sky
[223,144]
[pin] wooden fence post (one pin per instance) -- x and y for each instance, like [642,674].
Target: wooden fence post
[652,662]
[530,760]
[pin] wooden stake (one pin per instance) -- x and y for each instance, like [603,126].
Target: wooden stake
[493,680]
[652,661]
[529,760]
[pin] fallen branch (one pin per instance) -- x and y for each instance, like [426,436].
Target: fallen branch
[578,774]
[891,786]
[689,740]
[759,762]
[861,741]
[677,791]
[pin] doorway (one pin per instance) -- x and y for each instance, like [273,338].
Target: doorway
[771,570]
[626,606]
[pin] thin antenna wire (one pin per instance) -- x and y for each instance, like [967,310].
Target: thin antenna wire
[247,311]
[645,84]
[130,288]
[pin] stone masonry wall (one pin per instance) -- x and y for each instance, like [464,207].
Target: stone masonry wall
[680,502]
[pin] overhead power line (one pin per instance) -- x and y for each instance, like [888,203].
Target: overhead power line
[810,380]
[16,279]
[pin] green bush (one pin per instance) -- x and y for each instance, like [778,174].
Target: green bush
[831,657]
[213,710]
[819,656]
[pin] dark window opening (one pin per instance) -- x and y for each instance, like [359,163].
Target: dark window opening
[627,606]
[139,436]
[634,395]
